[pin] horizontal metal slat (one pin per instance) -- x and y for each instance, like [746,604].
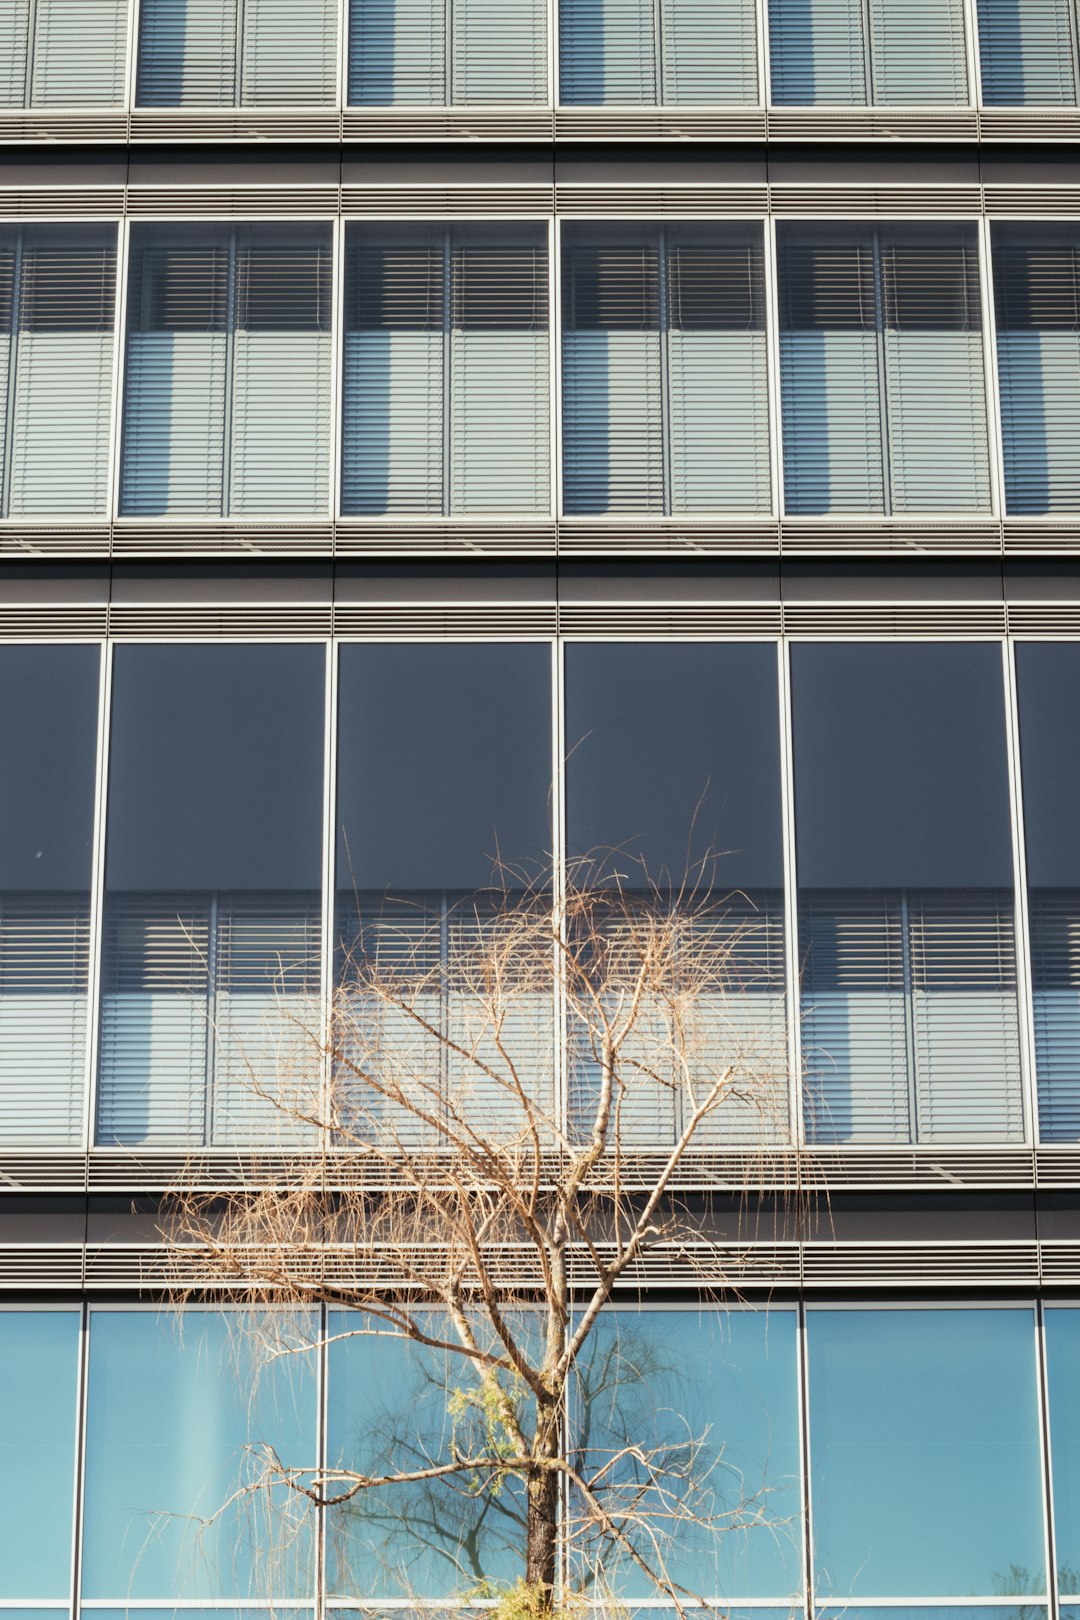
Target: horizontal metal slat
[1060,1262]
[919,1265]
[51,540]
[660,202]
[41,1265]
[1029,124]
[1043,202]
[895,619]
[53,1172]
[213,539]
[583,535]
[235,124]
[425,619]
[863,201]
[232,202]
[891,535]
[1057,1166]
[669,618]
[195,620]
[1046,536]
[1044,618]
[446,202]
[916,1167]
[61,202]
[660,123]
[449,123]
[44,621]
[433,538]
[74,127]
[872,123]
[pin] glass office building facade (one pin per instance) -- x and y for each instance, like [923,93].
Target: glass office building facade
[442,435]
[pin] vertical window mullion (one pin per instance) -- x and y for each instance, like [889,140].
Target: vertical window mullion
[991,380]
[326,963]
[791,899]
[123,239]
[97,894]
[1021,923]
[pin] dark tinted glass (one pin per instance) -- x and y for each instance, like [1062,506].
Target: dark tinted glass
[900,766]
[48,743]
[216,768]
[444,764]
[179,279]
[1048,686]
[68,279]
[854,277]
[673,756]
[1036,277]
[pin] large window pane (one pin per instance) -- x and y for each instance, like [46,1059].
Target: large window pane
[664,378]
[881,368]
[673,781]
[1063,1392]
[446,370]
[176,1417]
[924,1453]
[663,1381]
[39,1376]
[227,381]
[225,53]
[48,746]
[905,894]
[62,53]
[212,916]
[418,52]
[422,877]
[666,52]
[1037,301]
[1027,53]
[886,53]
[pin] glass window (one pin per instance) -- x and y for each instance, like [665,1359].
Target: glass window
[850,53]
[447,370]
[924,1453]
[1037,303]
[905,894]
[668,1381]
[421,877]
[882,376]
[664,377]
[237,53]
[658,52]
[227,381]
[212,913]
[1062,1328]
[39,1375]
[703,818]
[57,301]
[423,53]
[1027,51]
[1048,683]
[176,1417]
[63,53]
[48,746]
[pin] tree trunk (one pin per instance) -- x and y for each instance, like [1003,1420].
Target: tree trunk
[542,1521]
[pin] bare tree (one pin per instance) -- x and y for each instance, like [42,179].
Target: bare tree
[461,1196]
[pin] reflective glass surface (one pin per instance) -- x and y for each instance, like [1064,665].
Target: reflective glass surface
[924,1447]
[1063,1391]
[39,1377]
[174,1426]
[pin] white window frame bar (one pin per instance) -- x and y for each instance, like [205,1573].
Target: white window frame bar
[772,353]
[97,894]
[990,373]
[337,363]
[112,500]
[324,1012]
[1025,989]
[792,974]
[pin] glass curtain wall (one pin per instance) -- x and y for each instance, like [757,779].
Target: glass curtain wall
[213,870]
[237,53]
[1028,53]
[698,830]
[63,53]
[658,53]
[883,384]
[447,370]
[905,889]
[664,372]
[48,746]
[424,876]
[227,401]
[434,53]
[857,53]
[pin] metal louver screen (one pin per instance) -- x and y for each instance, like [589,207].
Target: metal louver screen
[1027,53]
[1054,917]
[187,53]
[208,1019]
[44,963]
[1037,302]
[909,1016]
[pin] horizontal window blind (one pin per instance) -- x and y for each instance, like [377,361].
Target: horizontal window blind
[859,52]
[14,46]
[288,54]
[882,370]
[207,1019]
[187,53]
[647,52]
[44,963]
[79,53]
[446,374]
[227,405]
[665,395]
[910,1016]
[1054,918]
[447,52]
[1037,304]
[1027,53]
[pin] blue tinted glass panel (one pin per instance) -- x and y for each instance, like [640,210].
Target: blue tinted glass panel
[1062,1361]
[660,1378]
[924,1449]
[171,1407]
[39,1376]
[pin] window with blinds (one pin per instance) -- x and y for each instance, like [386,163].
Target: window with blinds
[882,369]
[57,314]
[227,408]
[1028,53]
[447,53]
[1037,306]
[48,745]
[237,53]
[868,53]
[658,52]
[910,1023]
[210,972]
[446,371]
[664,374]
[63,53]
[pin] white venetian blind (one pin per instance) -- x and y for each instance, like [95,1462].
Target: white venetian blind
[187,53]
[397,52]
[44,961]
[288,53]
[79,53]
[607,52]
[499,52]
[14,44]
[818,53]
[1027,53]
[918,53]
[1037,301]
[859,52]
[1054,916]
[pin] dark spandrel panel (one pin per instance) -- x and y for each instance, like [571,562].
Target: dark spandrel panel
[48,746]
[216,768]
[900,767]
[673,759]
[1048,692]
[444,765]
